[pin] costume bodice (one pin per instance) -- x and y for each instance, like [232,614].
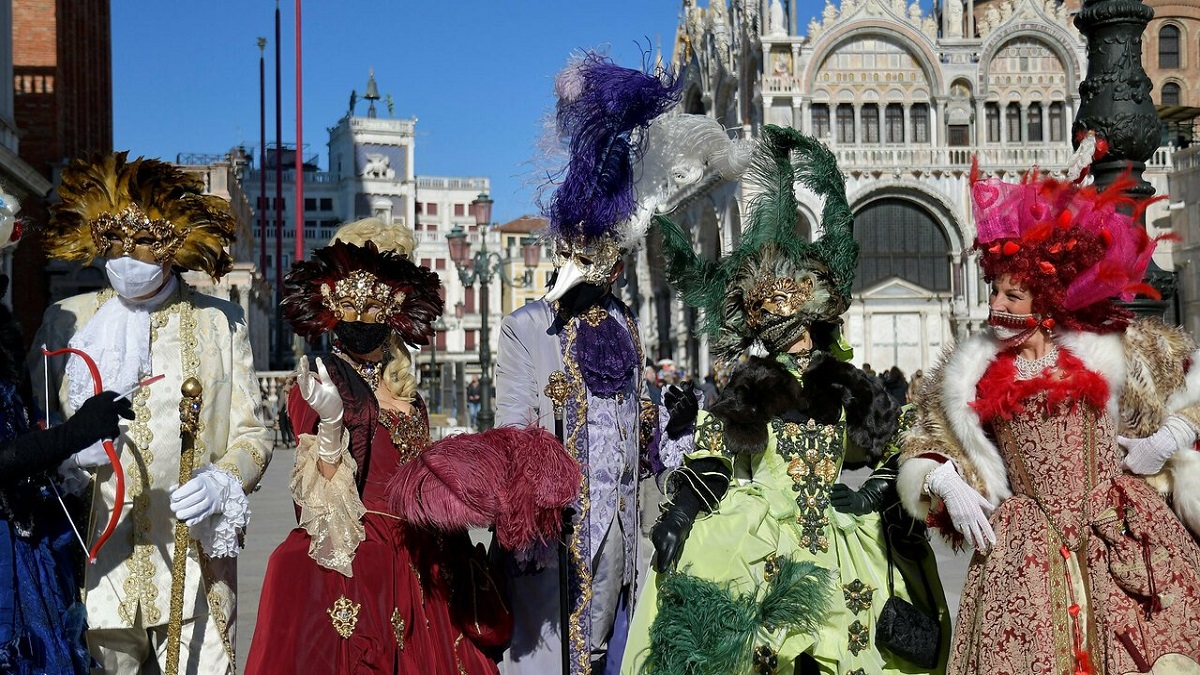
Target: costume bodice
[398,438]
[1057,445]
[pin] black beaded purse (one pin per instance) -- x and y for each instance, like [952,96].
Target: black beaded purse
[905,630]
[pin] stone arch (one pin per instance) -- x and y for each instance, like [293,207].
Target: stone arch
[942,209]
[904,36]
[1055,38]
[901,237]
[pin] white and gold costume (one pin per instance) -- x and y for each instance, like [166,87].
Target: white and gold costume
[128,589]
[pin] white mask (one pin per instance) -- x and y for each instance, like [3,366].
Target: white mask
[133,278]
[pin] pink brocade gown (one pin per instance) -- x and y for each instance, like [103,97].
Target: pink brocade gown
[1077,527]
[404,621]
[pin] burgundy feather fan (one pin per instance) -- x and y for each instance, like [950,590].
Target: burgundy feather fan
[515,479]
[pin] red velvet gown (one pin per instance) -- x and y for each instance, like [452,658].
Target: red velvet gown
[399,599]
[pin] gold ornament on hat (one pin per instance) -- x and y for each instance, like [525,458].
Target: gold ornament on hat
[781,296]
[354,296]
[146,209]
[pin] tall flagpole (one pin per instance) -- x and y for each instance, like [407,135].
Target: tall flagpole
[299,147]
[278,196]
[261,206]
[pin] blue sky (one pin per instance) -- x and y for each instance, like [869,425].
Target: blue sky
[477,75]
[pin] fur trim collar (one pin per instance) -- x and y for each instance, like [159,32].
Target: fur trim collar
[1102,354]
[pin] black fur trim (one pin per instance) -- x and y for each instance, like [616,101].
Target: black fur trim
[758,391]
[762,389]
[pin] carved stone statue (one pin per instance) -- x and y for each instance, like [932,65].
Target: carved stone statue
[775,21]
[378,166]
[954,18]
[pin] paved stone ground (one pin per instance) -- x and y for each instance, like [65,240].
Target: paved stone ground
[273,517]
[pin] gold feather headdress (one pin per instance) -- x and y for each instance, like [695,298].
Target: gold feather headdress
[111,206]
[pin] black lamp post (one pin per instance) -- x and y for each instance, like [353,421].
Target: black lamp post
[1115,103]
[482,267]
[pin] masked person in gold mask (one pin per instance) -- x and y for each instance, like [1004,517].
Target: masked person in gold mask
[150,221]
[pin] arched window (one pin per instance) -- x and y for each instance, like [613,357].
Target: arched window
[992,111]
[1012,116]
[1168,47]
[870,123]
[919,118]
[1033,122]
[898,238]
[1057,130]
[893,116]
[845,123]
[1171,94]
[819,112]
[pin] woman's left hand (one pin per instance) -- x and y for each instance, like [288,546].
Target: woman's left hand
[1146,456]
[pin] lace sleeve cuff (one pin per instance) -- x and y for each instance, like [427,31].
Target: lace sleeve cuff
[330,509]
[221,535]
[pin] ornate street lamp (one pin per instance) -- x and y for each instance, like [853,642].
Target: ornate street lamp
[481,268]
[1115,103]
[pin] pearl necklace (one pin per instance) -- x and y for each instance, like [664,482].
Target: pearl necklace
[1028,369]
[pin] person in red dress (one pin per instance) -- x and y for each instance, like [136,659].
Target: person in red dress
[1059,444]
[354,589]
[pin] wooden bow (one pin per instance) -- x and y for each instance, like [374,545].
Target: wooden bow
[109,448]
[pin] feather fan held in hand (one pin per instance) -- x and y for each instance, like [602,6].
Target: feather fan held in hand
[516,479]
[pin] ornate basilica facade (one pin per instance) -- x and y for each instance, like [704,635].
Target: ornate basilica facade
[905,99]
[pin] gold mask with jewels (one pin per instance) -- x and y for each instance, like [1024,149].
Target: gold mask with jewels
[124,233]
[361,297]
[780,296]
[594,259]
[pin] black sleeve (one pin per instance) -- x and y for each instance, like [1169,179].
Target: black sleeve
[35,452]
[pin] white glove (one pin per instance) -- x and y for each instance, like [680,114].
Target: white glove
[968,509]
[89,458]
[319,391]
[1145,456]
[330,442]
[199,498]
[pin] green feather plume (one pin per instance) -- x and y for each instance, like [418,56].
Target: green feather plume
[783,158]
[704,629]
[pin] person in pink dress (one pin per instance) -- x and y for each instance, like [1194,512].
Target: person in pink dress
[1061,446]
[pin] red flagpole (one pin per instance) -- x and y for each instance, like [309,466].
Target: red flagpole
[299,147]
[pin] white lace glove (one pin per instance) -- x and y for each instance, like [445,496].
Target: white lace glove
[319,391]
[199,498]
[1145,456]
[967,508]
[89,458]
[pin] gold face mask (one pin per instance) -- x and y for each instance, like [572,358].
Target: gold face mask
[133,233]
[362,297]
[595,259]
[780,296]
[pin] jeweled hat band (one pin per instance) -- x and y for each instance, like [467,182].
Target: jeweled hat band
[361,291]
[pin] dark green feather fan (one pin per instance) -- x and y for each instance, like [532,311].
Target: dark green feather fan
[769,244]
[704,629]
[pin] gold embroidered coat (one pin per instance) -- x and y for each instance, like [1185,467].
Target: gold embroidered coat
[191,334]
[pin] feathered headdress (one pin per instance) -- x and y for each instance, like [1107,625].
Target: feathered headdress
[772,271]
[602,115]
[407,293]
[107,200]
[1071,245]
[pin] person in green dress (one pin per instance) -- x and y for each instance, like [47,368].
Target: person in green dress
[765,562]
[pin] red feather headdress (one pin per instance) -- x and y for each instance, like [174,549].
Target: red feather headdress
[1075,248]
[408,292]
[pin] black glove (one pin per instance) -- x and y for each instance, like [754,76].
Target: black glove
[682,405]
[870,496]
[673,526]
[97,419]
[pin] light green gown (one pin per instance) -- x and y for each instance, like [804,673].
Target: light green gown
[778,505]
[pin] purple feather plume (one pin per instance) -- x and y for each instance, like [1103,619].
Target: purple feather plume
[601,106]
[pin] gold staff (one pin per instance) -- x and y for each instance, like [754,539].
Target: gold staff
[189,426]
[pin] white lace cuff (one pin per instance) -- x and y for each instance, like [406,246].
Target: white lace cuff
[330,509]
[221,533]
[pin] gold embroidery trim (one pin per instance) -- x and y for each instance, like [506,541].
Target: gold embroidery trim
[398,628]
[344,616]
[578,640]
